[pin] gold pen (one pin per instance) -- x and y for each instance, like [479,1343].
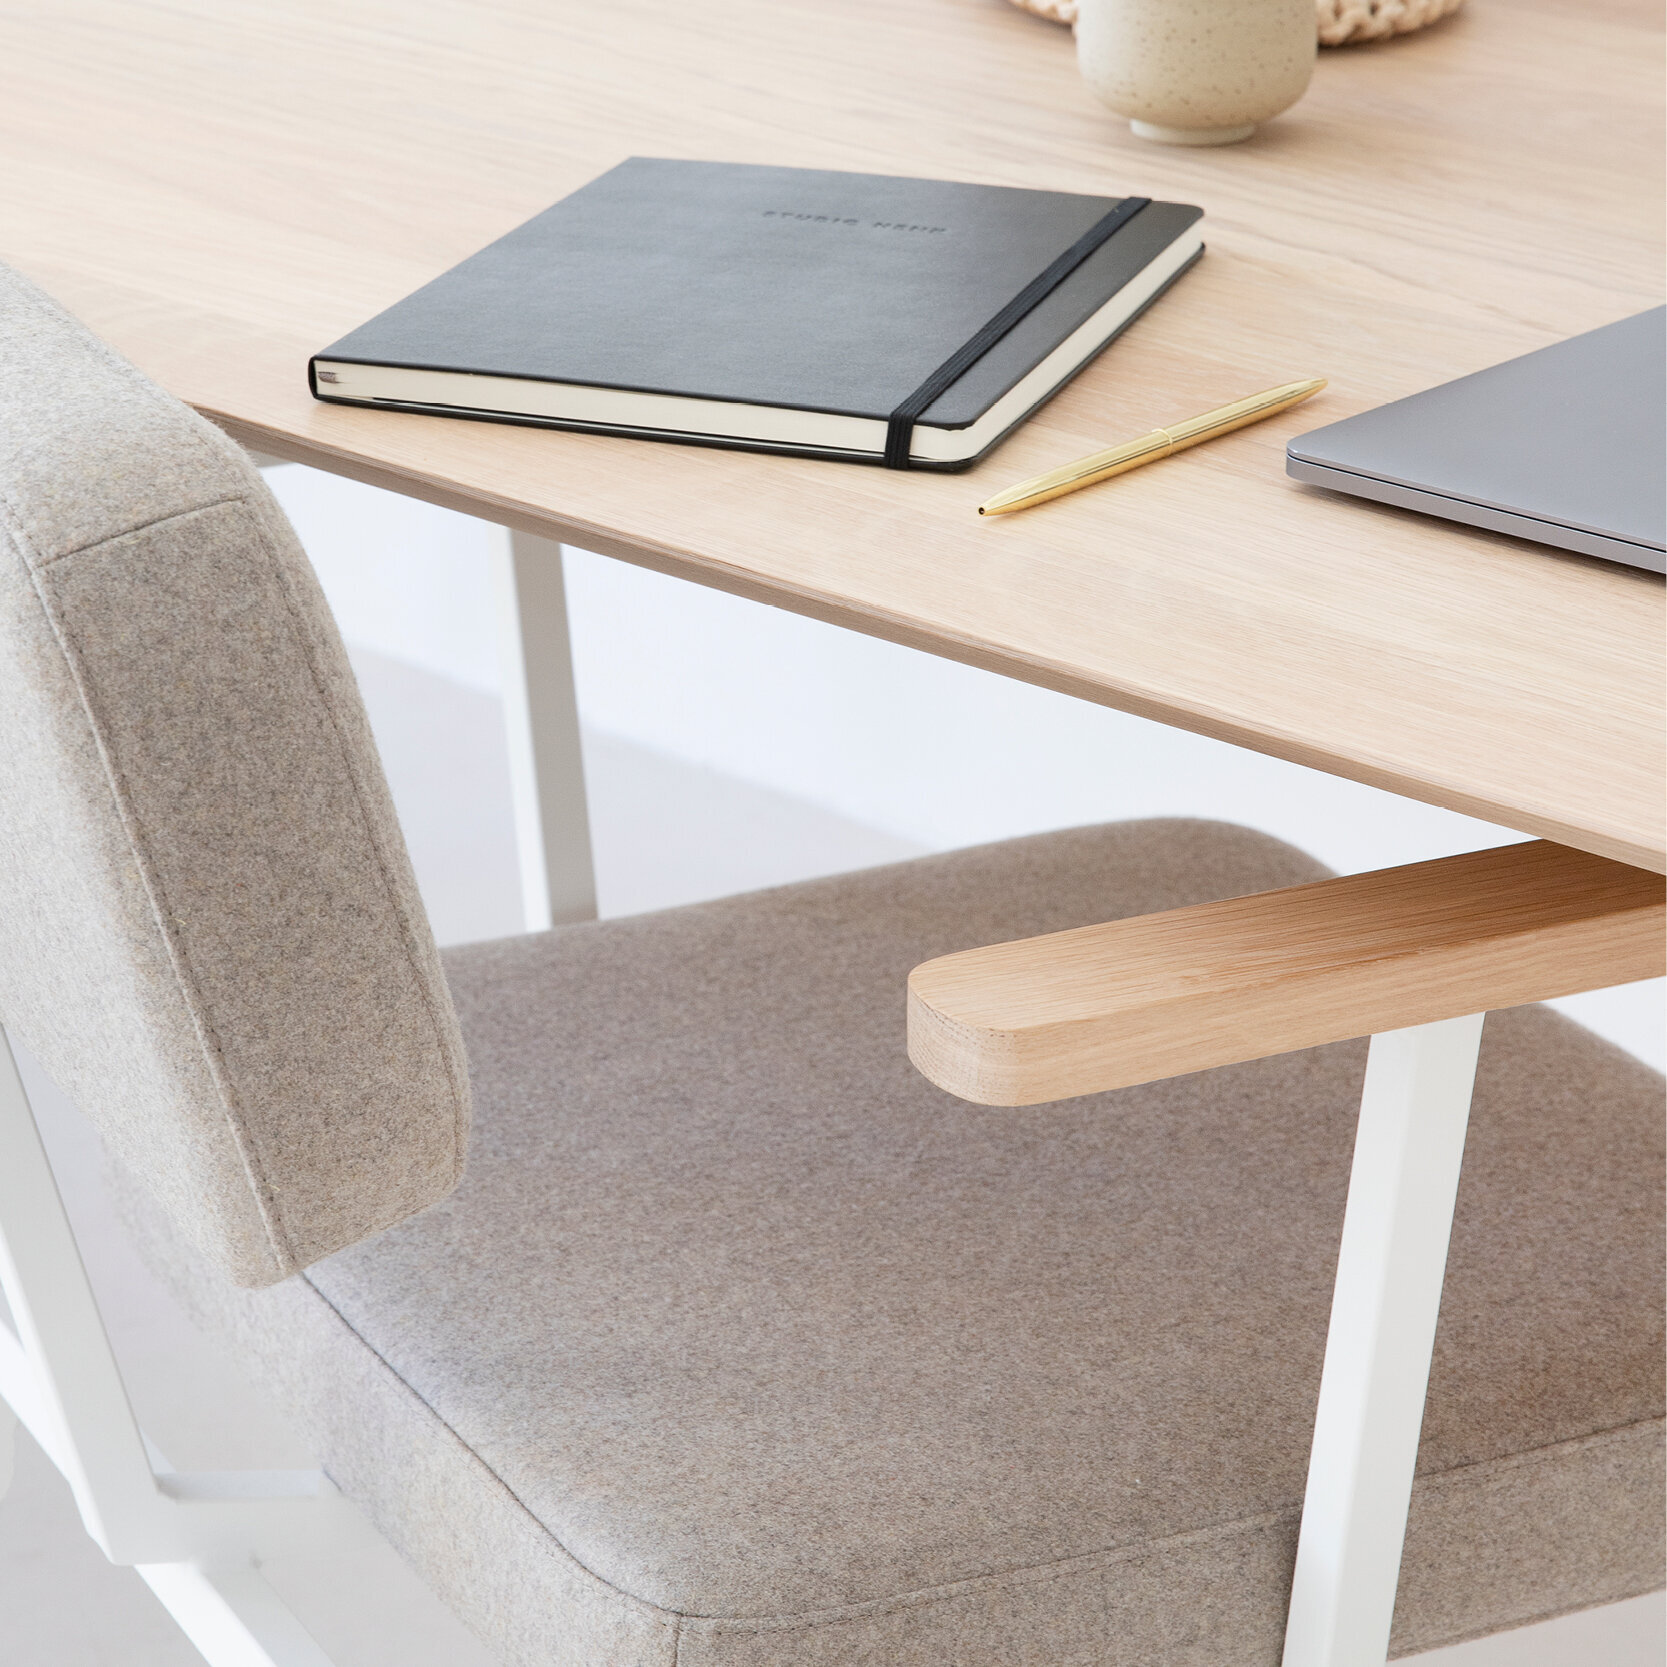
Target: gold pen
[1161,442]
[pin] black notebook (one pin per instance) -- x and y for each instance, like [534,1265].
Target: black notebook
[853,316]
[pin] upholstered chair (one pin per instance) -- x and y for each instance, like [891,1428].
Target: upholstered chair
[714,1335]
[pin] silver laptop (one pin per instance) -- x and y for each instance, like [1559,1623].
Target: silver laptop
[1564,446]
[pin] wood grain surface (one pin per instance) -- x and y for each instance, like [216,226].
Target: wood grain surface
[1158,995]
[220,187]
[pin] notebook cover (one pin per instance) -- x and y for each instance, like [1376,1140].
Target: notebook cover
[791,287]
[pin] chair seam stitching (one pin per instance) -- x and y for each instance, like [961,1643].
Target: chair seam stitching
[204,436]
[42,563]
[1513,1461]
[278,1235]
[128,816]
[921,1597]
[659,1611]
[456,1069]
[1058,1568]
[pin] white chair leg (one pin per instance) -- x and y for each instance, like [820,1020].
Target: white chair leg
[59,1376]
[541,717]
[233,1616]
[8,1447]
[58,1372]
[1408,1150]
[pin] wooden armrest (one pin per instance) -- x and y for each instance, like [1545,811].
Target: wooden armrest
[1158,995]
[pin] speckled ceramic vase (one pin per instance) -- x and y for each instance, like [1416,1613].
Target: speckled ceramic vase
[1196,72]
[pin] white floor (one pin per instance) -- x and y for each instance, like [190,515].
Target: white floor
[666,832]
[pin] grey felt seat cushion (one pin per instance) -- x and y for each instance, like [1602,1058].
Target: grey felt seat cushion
[742,1346]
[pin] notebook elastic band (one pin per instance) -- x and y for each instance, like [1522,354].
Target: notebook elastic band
[900,426]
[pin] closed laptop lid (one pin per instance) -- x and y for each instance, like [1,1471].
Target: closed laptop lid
[1573,435]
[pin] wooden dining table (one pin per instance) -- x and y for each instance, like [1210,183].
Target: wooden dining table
[222,187]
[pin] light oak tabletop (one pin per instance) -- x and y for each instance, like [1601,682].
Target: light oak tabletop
[220,187]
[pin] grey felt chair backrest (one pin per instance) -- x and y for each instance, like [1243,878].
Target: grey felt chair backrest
[209,931]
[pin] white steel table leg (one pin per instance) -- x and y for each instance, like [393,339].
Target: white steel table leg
[541,717]
[1408,1149]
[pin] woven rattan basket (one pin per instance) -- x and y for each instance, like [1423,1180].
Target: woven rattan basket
[1342,22]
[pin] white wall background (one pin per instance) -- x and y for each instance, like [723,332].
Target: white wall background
[931,752]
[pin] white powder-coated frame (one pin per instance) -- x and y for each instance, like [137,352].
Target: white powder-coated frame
[1408,1148]
[541,724]
[541,729]
[197,1539]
